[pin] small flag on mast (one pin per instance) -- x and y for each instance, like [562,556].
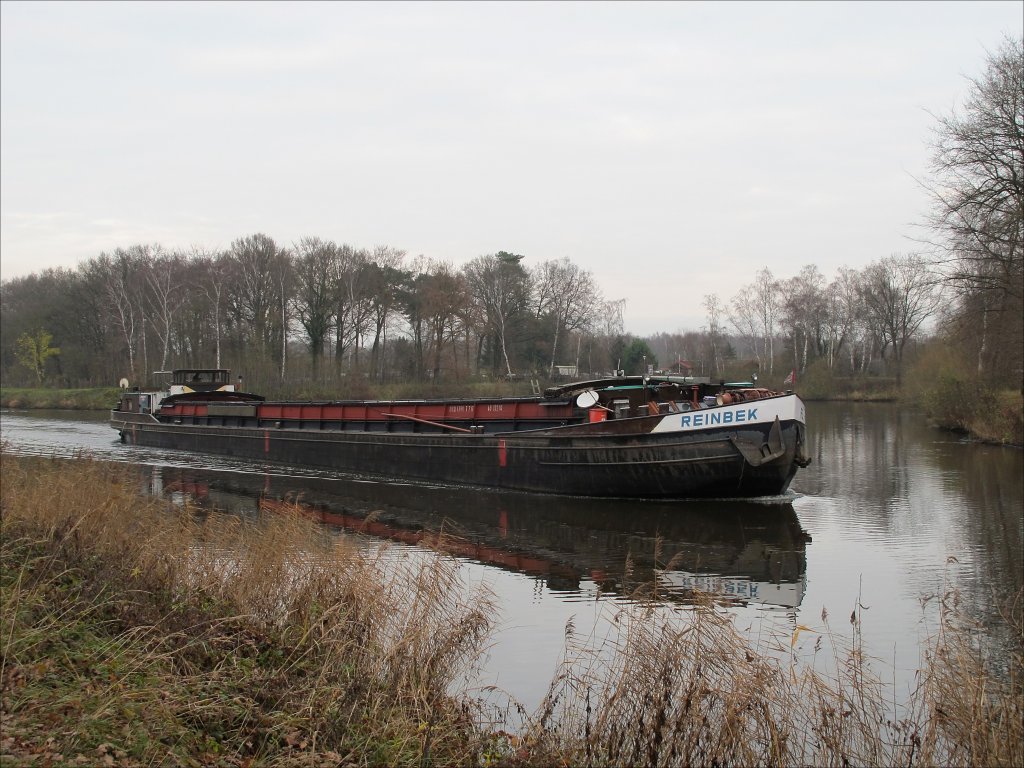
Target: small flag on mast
[791,379]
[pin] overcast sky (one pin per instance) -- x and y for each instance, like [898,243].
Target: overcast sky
[673,149]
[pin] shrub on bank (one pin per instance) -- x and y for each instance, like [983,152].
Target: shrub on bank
[993,416]
[819,382]
[949,391]
[1004,421]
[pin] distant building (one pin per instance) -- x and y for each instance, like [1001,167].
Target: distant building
[681,368]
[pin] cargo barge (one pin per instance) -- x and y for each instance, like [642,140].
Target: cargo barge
[626,437]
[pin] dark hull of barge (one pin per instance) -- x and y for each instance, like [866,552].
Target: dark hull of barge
[626,458]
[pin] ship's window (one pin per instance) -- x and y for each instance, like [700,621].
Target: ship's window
[201,377]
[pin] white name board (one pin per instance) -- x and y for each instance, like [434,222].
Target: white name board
[787,408]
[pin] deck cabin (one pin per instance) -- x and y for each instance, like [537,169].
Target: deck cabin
[183,380]
[201,380]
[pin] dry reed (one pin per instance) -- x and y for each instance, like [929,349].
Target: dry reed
[657,692]
[215,640]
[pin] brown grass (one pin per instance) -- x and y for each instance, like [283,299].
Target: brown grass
[133,632]
[657,693]
[158,636]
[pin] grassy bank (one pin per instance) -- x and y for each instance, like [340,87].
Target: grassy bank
[939,385]
[989,415]
[138,634]
[820,382]
[953,396]
[94,399]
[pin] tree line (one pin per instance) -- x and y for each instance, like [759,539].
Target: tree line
[320,313]
[316,311]
[860,322]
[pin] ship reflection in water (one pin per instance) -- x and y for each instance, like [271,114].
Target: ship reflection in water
[737,551]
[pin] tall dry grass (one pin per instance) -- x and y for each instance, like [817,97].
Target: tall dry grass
[658,693]
[177,636]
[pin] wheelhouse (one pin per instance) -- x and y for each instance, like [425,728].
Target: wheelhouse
[201,380]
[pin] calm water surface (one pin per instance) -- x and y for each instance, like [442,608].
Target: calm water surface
[890,515]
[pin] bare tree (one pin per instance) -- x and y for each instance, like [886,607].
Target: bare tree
[410,298]
[744,318]
[843,313]
[256,304]
[978,188]
[384,279]
[124,288]
[500,287]
[568,295]
[315,302]
[978,168]
[213,274]
[253,288]
[194,329]
[284,274]
[803,310]
[766,298]
[899,295]
[608,328]
[755,314]
[443,295]
[353,312]
[85,328]
[715,310]
[165,293]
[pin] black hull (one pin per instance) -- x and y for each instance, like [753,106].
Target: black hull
[706,464]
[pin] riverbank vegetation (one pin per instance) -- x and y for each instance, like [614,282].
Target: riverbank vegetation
[944,387]
[139,633]
[135,634]
[88,399]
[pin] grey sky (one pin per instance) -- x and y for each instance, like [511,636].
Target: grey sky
[673,149]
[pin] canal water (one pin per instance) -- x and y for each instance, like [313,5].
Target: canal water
[891,515]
